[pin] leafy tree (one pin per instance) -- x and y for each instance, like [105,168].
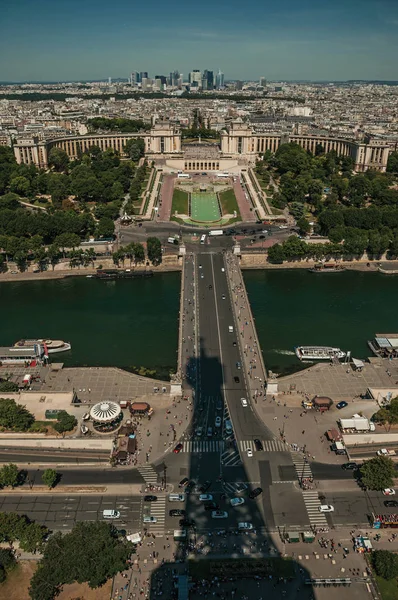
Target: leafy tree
[13,416]
[385,564]
[154,250]
[65,422]
[91,552]
[67,240]
[20,186]
[276,254]
[9,476]
[32,537]
[304,225]
[387,415]
[7,559]
[53,254]
[11,526]
[291,157]
[58,159]
[392,163]
[105,228]
[139,253]
[9,201]
[378,473]
[135,149]
[50,477]
[8,386]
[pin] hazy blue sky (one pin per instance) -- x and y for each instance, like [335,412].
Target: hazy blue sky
[286,39]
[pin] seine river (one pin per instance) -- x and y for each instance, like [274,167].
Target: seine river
[135,323]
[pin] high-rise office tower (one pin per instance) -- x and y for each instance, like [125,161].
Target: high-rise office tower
[134,78]
[209,75]
[143,75]
[263,81]
[195,78]
[220,80]
[238,85]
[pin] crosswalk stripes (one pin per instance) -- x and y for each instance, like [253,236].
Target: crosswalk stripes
[231,487]
[312,504]
[148,473]
[203,446]
[158,510]
[231,458]
[268,445]
[302,466]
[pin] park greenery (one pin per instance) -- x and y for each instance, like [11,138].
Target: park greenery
[385,563]
[14,417]
[10,476]
[15,527]
[132,252]
[7,562]
[118,125]
[154,250]
[91,552]
[387,415]
[357,212]
[378,473]
[72,201]
[8,386]
[65,422]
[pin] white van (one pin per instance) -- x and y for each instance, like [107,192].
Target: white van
[230,329]
[111,514]
[134,538]
[176,497]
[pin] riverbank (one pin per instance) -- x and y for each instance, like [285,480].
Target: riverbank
[62,270]
[259,261]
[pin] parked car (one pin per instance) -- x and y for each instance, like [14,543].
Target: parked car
[178,448]
[256,492]
[205,486]
[389,492]
[236,379]
[176,512]
[249,452]
[341,404]
[150,498]
[245,526]
[238,365]
[189,487]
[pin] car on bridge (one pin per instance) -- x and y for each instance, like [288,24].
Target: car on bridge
[237,501]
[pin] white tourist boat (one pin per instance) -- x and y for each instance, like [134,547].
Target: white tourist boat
[318,353]
[52,346]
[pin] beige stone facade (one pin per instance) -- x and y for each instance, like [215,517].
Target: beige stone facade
[240,146]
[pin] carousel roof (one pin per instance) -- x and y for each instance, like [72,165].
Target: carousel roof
[105,412]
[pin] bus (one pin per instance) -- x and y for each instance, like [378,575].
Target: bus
[183,175]
[225,174]
[203,239]
[216,232]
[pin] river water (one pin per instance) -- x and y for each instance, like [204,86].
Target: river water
[296,307]
[135,323]
[109,323]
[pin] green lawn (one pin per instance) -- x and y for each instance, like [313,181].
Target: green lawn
[228,203]
[180,202]
[388,589]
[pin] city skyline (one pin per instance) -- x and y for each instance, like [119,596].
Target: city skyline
[94,41]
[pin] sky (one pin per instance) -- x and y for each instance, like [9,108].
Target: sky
[60,40]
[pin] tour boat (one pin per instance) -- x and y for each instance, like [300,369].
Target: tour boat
[318,353]
[327,268]
[52,346]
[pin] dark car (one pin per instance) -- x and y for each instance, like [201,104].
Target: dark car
[178,448]
[234,343]
[258,445]
[187,523]
[390,503]
[205,486]
[189,487]
[341,404]
[211,505]
[210,287]
[150,498]
[176,512]
[236,379]
[256,492]
[350,466]
[183,482]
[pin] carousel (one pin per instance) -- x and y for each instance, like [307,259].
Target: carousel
[106,416]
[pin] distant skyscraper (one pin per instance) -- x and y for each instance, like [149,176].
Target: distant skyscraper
[263,81]
[209,76]
[220,80]
[238,85]
[143,75]
[195,78]
[134,78]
